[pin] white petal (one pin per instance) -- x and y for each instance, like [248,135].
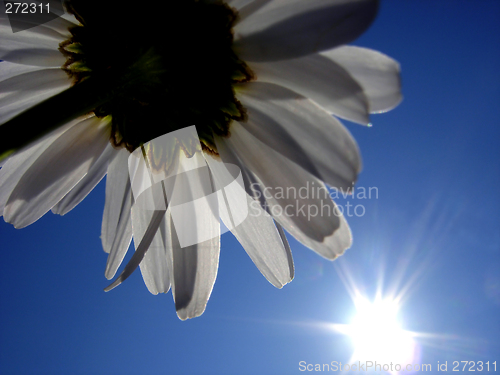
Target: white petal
[257,233]
[8,70]
[152,226]
[116,230]
[36,81]
[156,267]
[23,89]
[122,235]
[320,79]
[26,90]
[63,24]
[39,36]
[377,73]
[286,29]
[238,4]
[117,196]
[37,46]
[302,131]
[19,163]
[26,101]
[282,234]
[297,200]
[248,8]
[33,56]
[57,29]
[63,164]
[195,270]
[156,264]
[194,267]
[86,184]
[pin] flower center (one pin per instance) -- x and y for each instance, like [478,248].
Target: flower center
[173,60]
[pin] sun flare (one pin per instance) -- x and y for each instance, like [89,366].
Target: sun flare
[377,334]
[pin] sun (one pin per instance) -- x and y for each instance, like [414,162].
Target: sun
[377,334]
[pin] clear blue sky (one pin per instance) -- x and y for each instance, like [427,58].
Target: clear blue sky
[434,229]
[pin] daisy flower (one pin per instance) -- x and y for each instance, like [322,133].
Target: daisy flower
[264,81]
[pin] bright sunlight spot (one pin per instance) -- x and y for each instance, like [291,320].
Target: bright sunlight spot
[377,334]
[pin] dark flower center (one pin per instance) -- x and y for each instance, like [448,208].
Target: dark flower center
[176,58]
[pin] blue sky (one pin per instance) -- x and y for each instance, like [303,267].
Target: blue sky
[431,237]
